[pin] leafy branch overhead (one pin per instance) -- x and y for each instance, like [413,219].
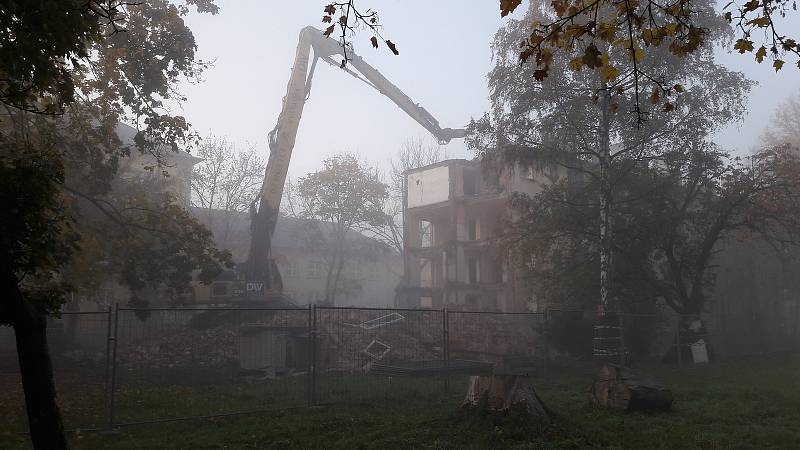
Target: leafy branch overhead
[581,26]
[757,17]
[612,37]
[350,20]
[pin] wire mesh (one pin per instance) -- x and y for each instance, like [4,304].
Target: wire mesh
[174,363]
[368,355]
[511,342]
[77,343]
[142,365]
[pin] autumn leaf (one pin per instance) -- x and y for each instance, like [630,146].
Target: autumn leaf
[606,31]
[752,5]
[392,47]
[540,74]
[679,88]
[778,64]
[655,96]
[326,19]
[374,41]
[760,54]
[761,22]
[328,31]
[744,45]
[330,9]
[609,72]
[508,6]
[591,57]
[576,64]
[668,107]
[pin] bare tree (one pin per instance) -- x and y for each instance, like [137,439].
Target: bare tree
[785,125]
[227,180]
[336,202]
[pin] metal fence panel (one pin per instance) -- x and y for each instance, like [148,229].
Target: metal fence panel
[146,365]
[78,350]
[369,355]
[511,342]
[174,363]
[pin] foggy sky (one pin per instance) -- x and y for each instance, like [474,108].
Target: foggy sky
[443,62]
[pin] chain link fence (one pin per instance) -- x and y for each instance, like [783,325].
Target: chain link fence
[128,366]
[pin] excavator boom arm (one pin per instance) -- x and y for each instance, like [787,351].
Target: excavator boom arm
[264,212]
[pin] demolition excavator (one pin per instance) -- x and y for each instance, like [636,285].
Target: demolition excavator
[262,278]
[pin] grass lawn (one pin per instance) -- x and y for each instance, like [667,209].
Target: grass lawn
[751,403]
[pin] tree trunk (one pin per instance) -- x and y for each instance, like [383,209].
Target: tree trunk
[604,160]
[36,369]
[620,388]
[503,395]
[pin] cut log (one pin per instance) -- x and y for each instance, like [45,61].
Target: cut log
[504,395]
[621,388]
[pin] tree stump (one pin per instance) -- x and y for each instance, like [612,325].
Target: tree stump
[504,395]
[621,388]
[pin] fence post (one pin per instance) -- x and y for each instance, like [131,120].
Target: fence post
[623,352]
[446,348]
[546,344]
[113,381]
[310,357]
[107,375]
[678,341]
[312,400]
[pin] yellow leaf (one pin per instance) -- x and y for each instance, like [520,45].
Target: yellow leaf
[671,29]
[760,22]
[609,72]
[778,64]
[761,53]
[606,31]
[576,64]
[508,6]
[679,88]
[744,45]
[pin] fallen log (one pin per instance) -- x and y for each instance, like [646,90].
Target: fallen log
[620,388]
[503,395]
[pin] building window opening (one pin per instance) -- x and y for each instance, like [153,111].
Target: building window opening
[291,269]
[473,266]
[470,182]
[220,289]
[316,269]
[426,274]
[473,230]
[372,272]
[425,233]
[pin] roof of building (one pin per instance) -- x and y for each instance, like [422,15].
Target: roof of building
[446,162]
[127,134]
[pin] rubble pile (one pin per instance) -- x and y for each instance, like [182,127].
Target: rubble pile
[351,339]
[348,340]
[492,335]
[213,347]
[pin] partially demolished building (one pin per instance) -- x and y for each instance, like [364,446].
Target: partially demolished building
[453,216]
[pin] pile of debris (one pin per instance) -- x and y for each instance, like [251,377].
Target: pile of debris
[213,347]
[474,335]
[358,338]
